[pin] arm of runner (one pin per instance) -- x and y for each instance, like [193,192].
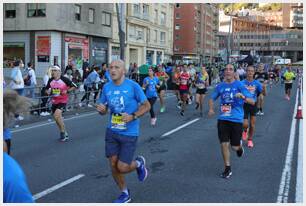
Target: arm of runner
[211,111]
[143,108]
[101,108]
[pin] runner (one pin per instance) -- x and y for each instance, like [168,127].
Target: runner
[184,83]
[163,78]
[232,95]
[58,86]
[272,77]
[175,86]
[201,83]
[150,84]
[123,96]
[262,77]
[289,76]
[255,89]
[192,71]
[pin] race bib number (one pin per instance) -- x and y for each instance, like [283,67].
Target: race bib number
[201,86]
[226,109]
[56,92]
[117,122]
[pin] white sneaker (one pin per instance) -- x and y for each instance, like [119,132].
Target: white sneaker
[43,114]
[153,121]
[80,104]
[262,113]
[189,101]
[20,118]
[47,113]
[89,105]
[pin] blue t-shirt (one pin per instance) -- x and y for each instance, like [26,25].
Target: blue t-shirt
[107,76]
[15,188]
[91,78]
[231,107]
[151,86]
[120,99]
[7,133]
[254,87]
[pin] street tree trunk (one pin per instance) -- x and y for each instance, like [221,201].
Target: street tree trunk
[120,8]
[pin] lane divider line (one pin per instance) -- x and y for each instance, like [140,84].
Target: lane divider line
[48,123]
[180,127]
[284,185]
[58,186]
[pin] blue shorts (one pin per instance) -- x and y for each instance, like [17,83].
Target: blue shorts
[120,145]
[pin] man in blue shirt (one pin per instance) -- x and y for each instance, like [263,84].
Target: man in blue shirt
[15,188]
[232,96]
[126,102]
[255,88]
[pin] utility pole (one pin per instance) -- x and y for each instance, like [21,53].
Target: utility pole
[120,8]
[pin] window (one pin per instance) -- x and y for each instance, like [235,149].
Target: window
[36,10]
[177,27]
[91,15]
[155,35]
[163,18]
[106,19]
[156,15]
[177,5]
[145,11]
[132,32]
[78,12]
[136,9]
[177,37]
[162,37]
[10,10]
[177,16]
[139,35]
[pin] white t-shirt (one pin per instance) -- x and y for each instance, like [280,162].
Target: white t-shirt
[16,75]
[33,76]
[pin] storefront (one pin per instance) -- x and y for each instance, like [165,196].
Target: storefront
[99,51]
[149,57]
[159,58]
[76,50]
[115,54]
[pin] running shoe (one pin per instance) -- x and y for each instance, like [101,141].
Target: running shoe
[182,113]
[258,113]
[64,137]
[142,171]
[240,152]
[153,121]
[226,174]
[244,135]
[123,198]
[250,144]
[89,105]
[162,109]
[189,101]
[179,105]
[262,113]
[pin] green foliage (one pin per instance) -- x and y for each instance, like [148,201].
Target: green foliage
[238,6]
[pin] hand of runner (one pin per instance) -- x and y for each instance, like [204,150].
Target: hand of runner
[127,117]
[101,108]
[239,95]
[211,113]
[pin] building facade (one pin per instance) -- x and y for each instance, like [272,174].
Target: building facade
[286,43]
[195,26]
[149,34]
[46,34]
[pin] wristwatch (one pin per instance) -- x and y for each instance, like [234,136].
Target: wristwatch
[134,116]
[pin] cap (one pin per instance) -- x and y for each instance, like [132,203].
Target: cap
[55,68]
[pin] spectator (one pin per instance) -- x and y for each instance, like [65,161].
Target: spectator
[44,98]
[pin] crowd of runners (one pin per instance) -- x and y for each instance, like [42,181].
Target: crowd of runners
[241,96]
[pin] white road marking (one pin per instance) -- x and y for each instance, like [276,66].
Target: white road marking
[286,174]
[56,187]
[48,123]
[180,127]
[299,176]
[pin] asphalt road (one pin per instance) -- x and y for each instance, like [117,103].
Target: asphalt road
[183,166]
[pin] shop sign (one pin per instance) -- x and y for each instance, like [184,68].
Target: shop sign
[43,46]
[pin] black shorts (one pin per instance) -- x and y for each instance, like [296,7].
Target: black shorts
[183,91]
[201,91]
[175,86]
[60,106]
[288,86]
[230,132]
[162,87]
[249,110]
